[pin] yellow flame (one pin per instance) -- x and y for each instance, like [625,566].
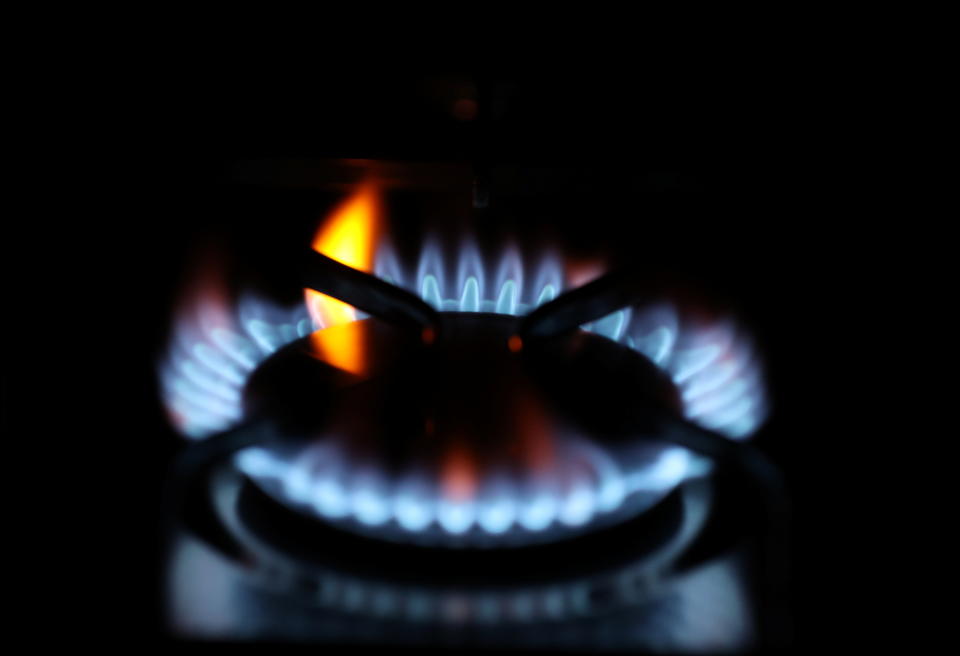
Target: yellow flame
[349,237]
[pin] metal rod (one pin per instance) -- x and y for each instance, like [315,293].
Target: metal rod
[594,300]
[187,493]
[366,292]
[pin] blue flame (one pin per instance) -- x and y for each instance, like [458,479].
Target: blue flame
[509,281]
[213,353]
[470,278]
[587,485]
[470,288]
[713,365]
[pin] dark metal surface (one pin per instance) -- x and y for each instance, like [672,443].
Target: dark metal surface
[300,583]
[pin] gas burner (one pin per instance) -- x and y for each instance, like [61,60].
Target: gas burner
[451,414]
[452,388]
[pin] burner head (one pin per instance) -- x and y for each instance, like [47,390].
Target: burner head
[464,437]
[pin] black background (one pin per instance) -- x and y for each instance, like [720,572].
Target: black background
[703,182]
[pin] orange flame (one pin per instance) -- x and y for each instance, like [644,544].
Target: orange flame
[536,444]
[343,346]
[349,237]
[580,271]
[459,473]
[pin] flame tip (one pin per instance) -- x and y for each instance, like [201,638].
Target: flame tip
[350,236]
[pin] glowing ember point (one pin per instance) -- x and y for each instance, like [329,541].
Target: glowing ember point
[515,343]
[349,237]
[428,335]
